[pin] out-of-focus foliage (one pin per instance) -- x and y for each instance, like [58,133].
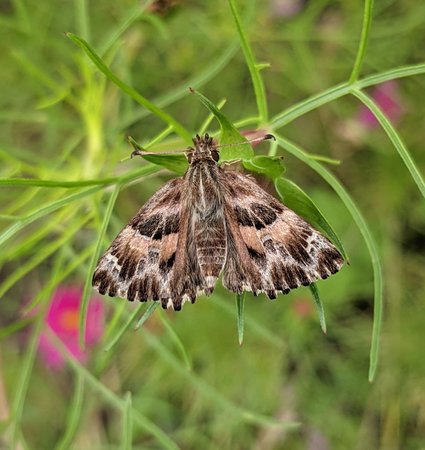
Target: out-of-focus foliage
[182,380]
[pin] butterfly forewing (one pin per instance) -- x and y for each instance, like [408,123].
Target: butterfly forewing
[141,262]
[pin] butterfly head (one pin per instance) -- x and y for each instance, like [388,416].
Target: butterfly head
[205,149]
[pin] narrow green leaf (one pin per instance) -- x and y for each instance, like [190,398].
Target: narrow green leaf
[367,236]
[178,128]
[319,306]
[41,255]
[176,163]
[22,182]
[252,323]
[14,327]
[394,138]
[254,69]
[177,341]
[229,135]
[23,379]
[240,305]
[83,17]
[271,166]
[111,37]
[149,310]
[340,90]
[74,414]
[295,198]
[127,425]
[90,269]
[43,211]
[158,137]
[173,161]
[364,38]
[119,333]
[209,119]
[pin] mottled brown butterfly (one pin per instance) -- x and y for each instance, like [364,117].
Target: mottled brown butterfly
[208,222]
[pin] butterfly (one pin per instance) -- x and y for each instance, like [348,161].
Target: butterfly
[209,222]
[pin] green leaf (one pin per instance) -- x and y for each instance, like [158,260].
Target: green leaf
[149,310]
[120,331]
[340,90]
[271,166]
[367,21]
[176,163]
[395,139]
[295,198]
[319,306]
[43,211]
[74,414]
[229,135]
[240,304]
[254,68]
[127,428]
[176,339]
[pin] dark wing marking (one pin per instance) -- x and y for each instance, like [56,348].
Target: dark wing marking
[150,257]
[270,248]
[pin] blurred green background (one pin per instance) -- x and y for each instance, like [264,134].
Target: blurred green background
[182,380]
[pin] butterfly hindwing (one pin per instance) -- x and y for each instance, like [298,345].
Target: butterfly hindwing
[271,248]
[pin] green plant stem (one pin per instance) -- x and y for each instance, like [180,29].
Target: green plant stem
[254,69]
[74,414]
[394,138]
[364,38]
[340,90]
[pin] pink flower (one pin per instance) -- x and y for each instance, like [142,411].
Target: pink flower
[387,97]
[286,8]
[63,320]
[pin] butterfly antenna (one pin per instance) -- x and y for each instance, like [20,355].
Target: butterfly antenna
[250,141]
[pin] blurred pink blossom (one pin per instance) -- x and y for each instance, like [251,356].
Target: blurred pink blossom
[387,97]
[63,320]
[286,8]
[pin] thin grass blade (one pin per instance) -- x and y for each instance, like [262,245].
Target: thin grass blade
[319,306]
[240,318]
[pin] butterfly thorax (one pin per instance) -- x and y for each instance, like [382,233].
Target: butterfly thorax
[205,197]
[203,177]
